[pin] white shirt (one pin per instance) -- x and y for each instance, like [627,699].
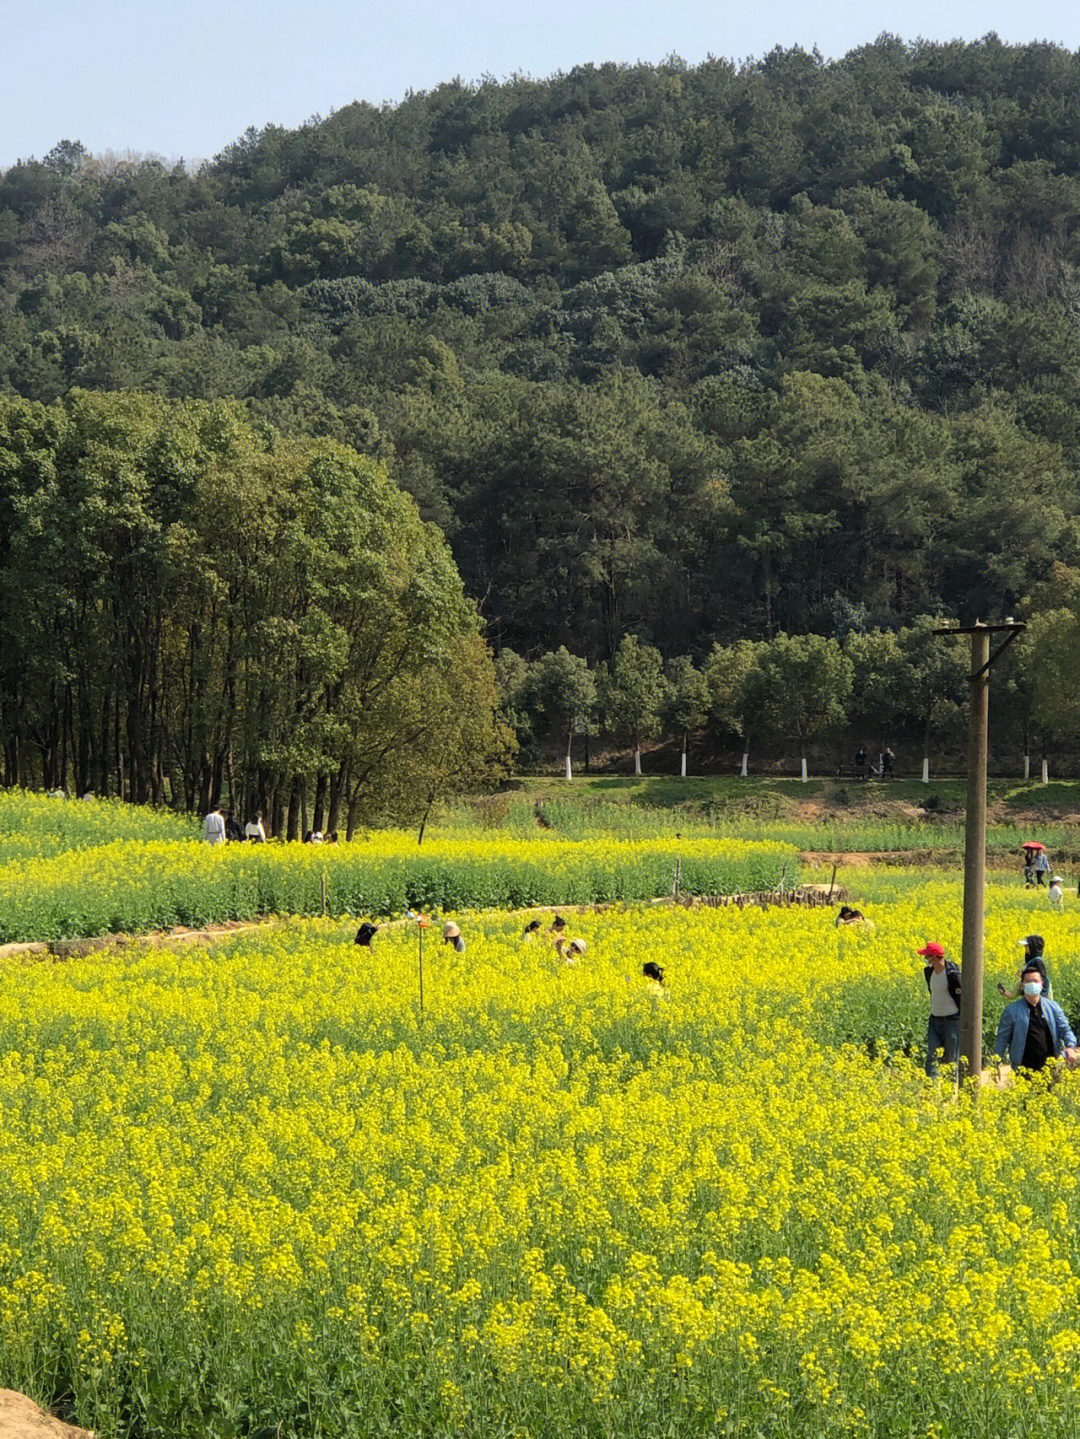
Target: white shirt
[254,830]
[941,1001]
[214,828]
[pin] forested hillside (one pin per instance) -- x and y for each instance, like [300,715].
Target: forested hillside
[690,353]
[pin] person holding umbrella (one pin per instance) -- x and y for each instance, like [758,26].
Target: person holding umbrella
[1031,848]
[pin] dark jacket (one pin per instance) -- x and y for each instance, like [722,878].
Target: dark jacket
[952,974]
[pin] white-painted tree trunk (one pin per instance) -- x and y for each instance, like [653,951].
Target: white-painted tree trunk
[804,775]
[682,769]
[1027,767]
[745,757]
[1046,771]
[926,769]
[637,761]
[569,770]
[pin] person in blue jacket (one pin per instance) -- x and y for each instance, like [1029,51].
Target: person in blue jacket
[1034,1029]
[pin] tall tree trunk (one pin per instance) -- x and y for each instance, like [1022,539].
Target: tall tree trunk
[338,781]
[318,809]
[292,822]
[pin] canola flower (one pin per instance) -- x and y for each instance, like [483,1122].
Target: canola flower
[131,886]
[35,826]
[254,1189]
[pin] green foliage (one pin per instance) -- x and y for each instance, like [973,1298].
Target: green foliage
[131,886]
[694,353]
[193,607]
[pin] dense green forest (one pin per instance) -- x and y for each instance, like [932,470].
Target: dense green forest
[692,354]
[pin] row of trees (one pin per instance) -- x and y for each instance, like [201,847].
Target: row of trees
[686,352]
[196,610]
[797,693]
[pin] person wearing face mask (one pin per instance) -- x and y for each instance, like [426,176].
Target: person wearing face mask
[1034,1028]
[943,1024]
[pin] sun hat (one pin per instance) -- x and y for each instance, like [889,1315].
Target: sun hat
[933,950]
[450,930]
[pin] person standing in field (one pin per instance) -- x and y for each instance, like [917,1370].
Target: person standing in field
[1033,957]
[1033,1029]
[452,935]
[254,832]
[1057,893]
[214,827]
[1042,866]
[943,1024]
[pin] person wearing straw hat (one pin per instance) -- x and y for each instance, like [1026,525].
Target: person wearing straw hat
[452,935]
[1057,893]
[570,952]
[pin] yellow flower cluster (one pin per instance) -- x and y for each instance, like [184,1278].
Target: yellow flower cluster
[258,1187]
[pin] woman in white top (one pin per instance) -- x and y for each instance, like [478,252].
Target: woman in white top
[253,830]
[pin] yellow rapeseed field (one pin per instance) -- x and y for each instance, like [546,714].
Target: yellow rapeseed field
[255,1190]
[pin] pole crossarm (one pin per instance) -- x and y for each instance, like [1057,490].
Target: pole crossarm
[1004,645]
[979,629]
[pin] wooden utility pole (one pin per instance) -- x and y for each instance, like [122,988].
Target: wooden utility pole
[971,954]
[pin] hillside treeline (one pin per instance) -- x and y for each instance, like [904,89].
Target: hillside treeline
[196,610]
[809,696]
[693,353]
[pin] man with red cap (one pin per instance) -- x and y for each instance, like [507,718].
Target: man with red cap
[943,1025]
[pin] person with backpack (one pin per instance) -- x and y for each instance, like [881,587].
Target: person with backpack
[943,1022]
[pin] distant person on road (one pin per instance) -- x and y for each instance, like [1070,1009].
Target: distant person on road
[1033,1029]
[254,832]
[860,763]
[943,1024]
[1030,852]
[1042,866]
[888,760]
[214,828]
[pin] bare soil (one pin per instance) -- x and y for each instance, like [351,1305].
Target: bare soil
[20,1418]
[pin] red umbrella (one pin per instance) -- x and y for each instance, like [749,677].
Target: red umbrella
[1032,844]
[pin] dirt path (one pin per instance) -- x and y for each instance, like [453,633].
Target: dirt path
[20,1418]
[913,857]
[75,948]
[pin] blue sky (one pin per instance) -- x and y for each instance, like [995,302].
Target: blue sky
[185,81]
